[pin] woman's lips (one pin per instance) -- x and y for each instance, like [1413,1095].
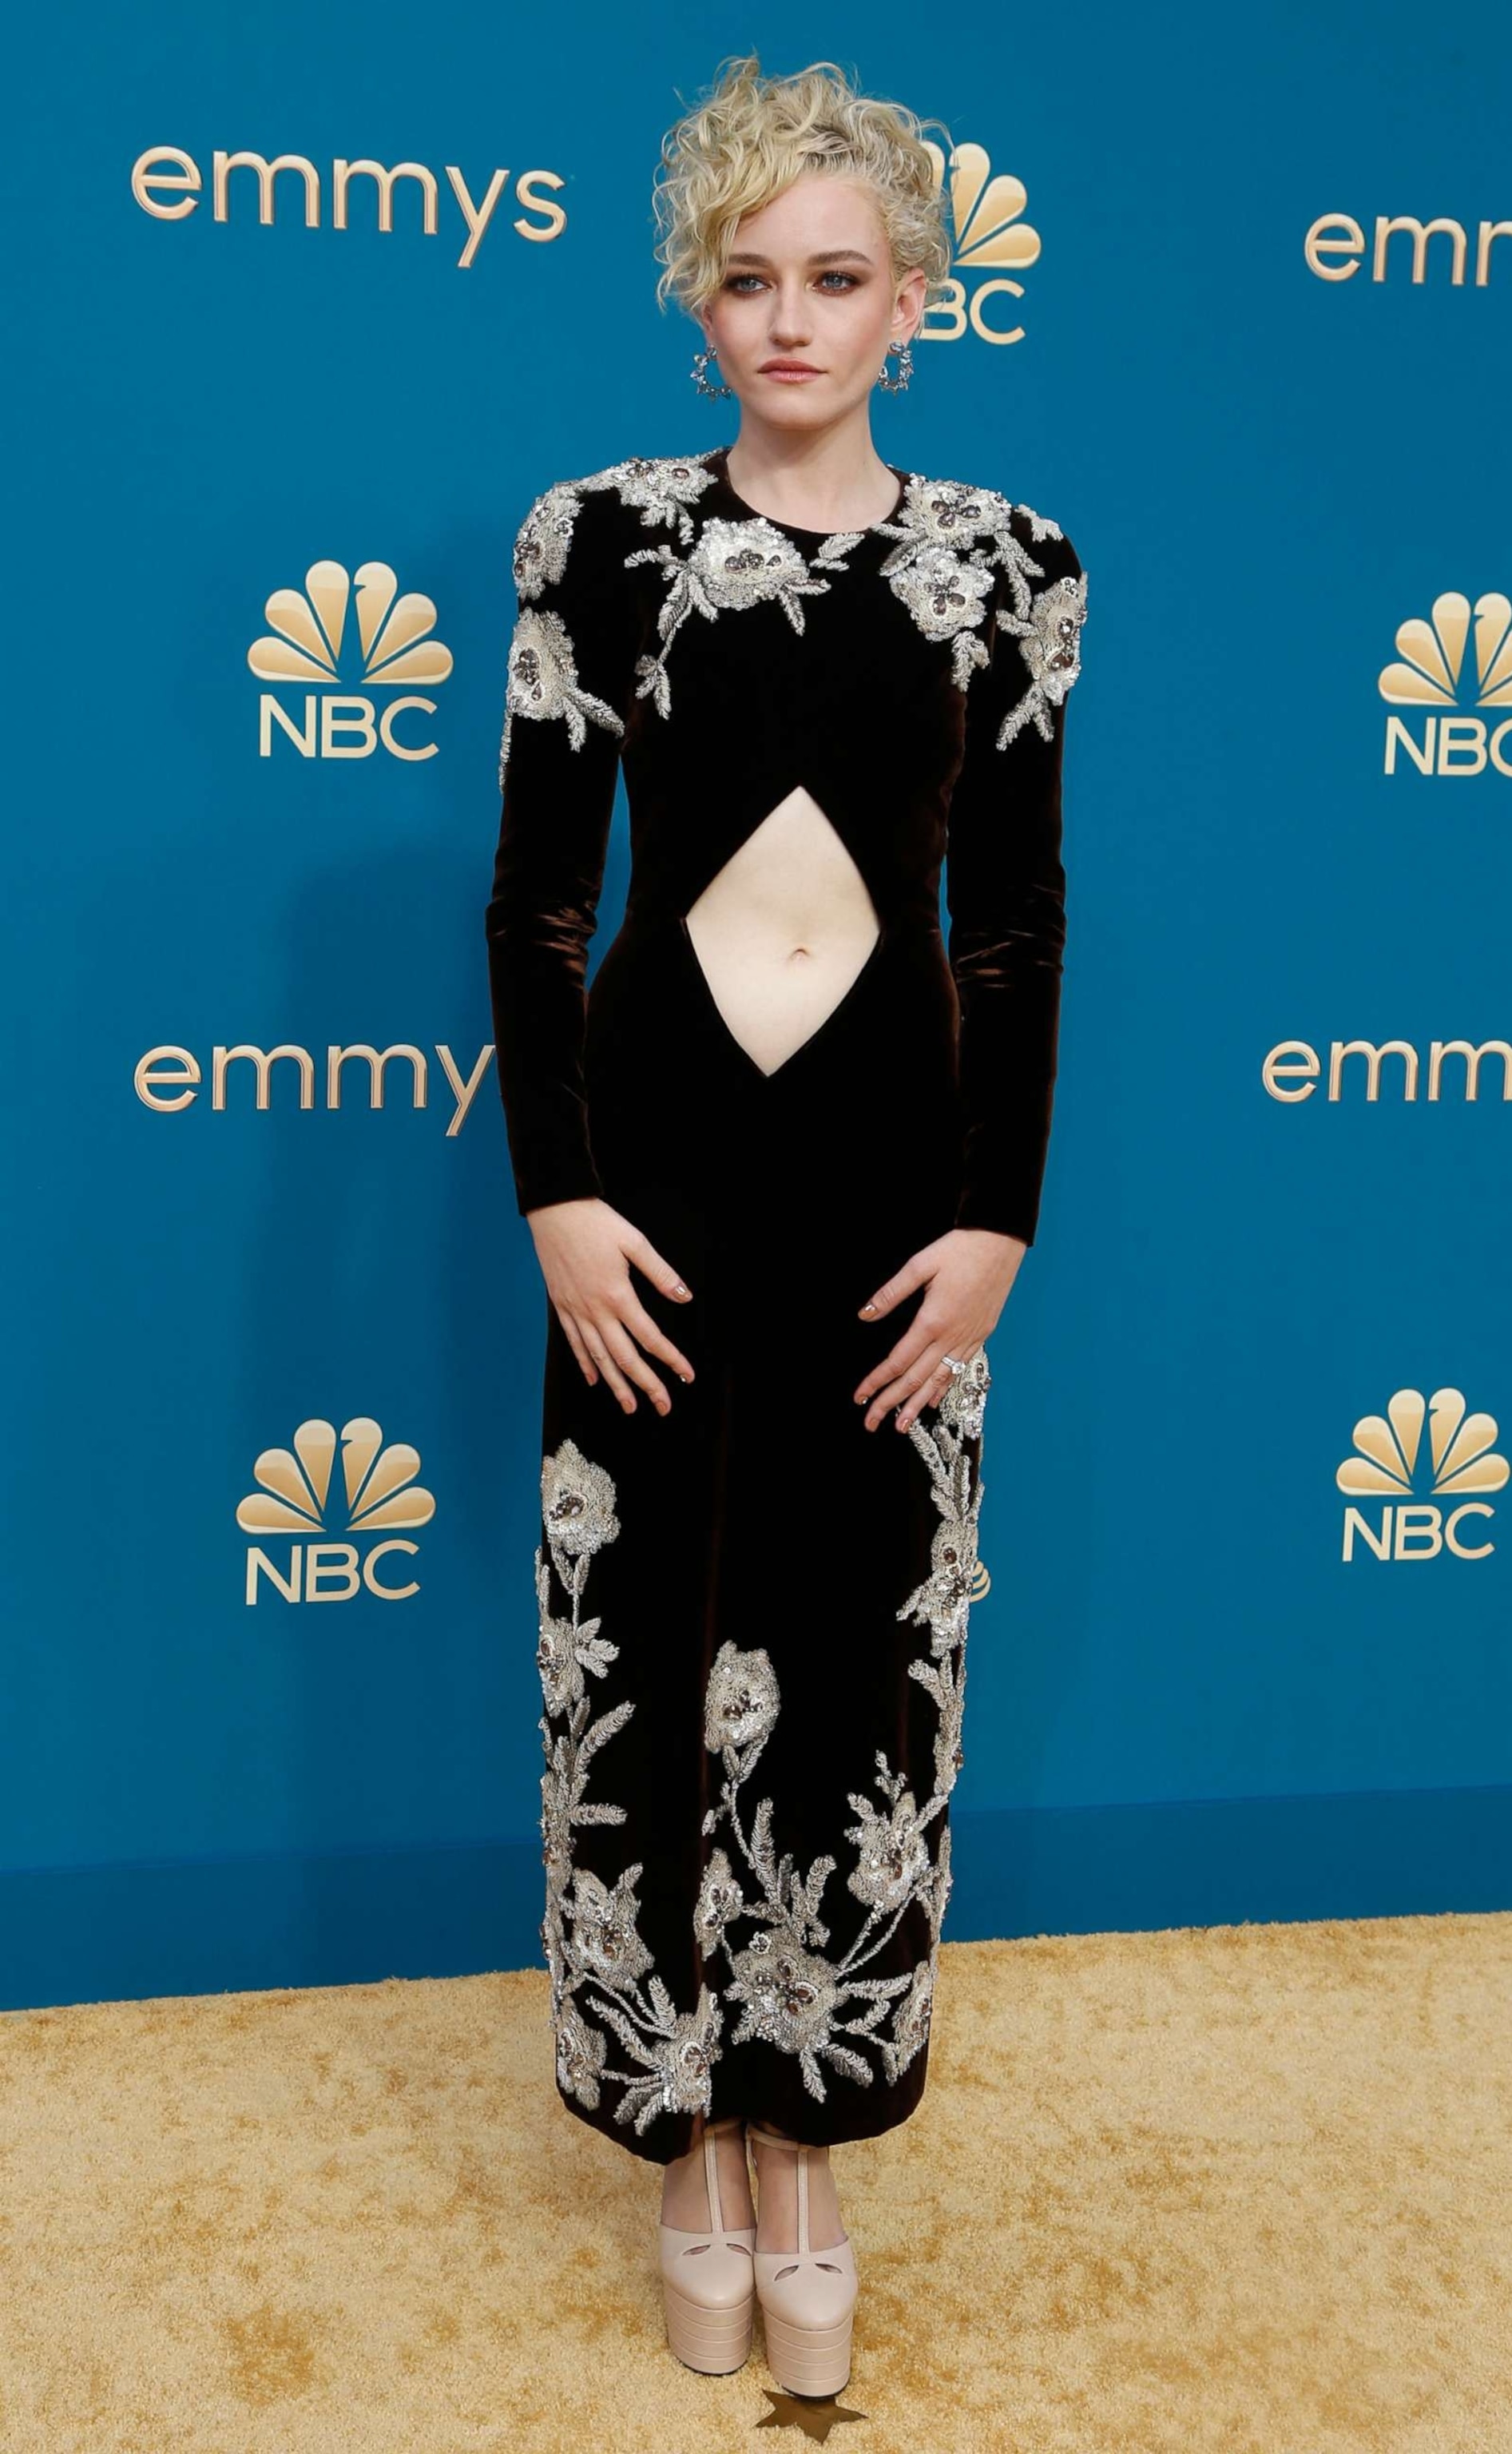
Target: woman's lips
[791,374]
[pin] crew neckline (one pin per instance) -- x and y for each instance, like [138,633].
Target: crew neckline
[721,458]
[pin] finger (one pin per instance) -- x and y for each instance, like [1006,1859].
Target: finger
[918,1361]
[609,1369]
[575,1339]
[890,1294]
[631,1362]
[919,1337]
[929,1393]
[640,1250]
[638,1322]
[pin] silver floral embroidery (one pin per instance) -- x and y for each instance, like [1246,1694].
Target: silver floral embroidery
[949,541]
[734,563]
[741,1703]
[659,489]
[542,660]
[544,538]
[973,522]
[590,1929]
[911,2019]
[1050,643]
[720,1900]
[947,599]
[791,1993]
[943,1604]
[543,682]
[949,538]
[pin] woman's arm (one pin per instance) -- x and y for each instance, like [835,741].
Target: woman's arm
[570,684]
[1005,884]
[567,700]
[1005,892]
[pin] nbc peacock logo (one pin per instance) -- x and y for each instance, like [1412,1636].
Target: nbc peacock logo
[1441,684]
[392,649]
[1424,1495]
[992,243]
[330,1554]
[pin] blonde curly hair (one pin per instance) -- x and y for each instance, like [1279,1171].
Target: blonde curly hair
[750,137]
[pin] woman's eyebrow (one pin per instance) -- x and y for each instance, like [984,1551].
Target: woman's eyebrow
[824,255]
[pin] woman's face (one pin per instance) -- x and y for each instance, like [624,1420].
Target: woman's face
[809,282]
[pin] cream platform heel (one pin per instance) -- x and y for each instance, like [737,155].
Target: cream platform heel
[707,2283]
[808,2297]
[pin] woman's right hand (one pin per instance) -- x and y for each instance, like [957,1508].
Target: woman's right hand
[585,1248]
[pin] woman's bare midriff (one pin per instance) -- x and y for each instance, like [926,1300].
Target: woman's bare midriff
[783,930]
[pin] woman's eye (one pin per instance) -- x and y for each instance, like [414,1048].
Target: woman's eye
[738,281]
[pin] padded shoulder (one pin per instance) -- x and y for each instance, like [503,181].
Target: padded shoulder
[563,524]
[1046,540]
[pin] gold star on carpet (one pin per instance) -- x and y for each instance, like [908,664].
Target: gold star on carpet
[814,2414]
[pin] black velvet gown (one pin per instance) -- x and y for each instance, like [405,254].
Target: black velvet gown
[752,1611]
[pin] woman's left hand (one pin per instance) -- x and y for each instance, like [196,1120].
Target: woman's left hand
[968,1272]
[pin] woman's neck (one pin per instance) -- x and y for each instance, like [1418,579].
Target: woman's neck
[830,481]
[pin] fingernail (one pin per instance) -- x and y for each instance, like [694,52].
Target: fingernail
[679,1289]
[866,1308]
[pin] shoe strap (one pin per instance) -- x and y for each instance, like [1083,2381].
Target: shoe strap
[800,2148]
[710,2175]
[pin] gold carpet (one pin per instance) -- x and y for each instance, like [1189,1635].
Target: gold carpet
[1224,2190]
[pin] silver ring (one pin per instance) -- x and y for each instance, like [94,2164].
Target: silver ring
[952,1365]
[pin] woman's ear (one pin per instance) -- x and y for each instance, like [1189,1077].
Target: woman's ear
[910,301]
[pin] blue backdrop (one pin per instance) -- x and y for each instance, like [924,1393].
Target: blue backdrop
[1244,332]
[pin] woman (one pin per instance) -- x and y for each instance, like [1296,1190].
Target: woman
[781,1166]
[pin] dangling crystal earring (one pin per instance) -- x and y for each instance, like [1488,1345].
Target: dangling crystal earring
[707,389]
[905,367]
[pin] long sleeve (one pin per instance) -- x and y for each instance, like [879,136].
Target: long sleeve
[1004,878]
[570,684]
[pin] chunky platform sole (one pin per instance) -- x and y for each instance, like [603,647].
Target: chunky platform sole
[707,2287]
[714,2342]
[808,2360]
[807,2296]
